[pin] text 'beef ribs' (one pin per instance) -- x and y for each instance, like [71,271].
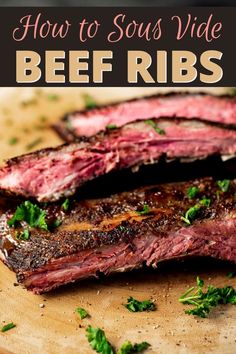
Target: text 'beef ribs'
[205,107]
[50,174]
[122,232]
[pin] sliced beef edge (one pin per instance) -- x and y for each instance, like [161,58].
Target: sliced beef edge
[51,174]
[111,235]
[218,109]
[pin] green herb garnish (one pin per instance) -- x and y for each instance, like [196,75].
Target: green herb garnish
[66,204]
[89,101]
[13,141]
[155,127]
[82,312]
[30,102]
[69,125]
[34,143]
[205,301]
[129,348]
[31,214]
[231,275]
[53,97]
[205,202]
[134,305]
[192,192]
[98,341]
[224,185]
[56,223]
[111,126]
[146,210]
[7,327]
[192,213]
[23,235]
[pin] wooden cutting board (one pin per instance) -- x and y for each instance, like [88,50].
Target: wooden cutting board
[48,324]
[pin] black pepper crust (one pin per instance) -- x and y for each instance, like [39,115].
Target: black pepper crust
[92,224]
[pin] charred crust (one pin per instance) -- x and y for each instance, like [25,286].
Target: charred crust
[169,202]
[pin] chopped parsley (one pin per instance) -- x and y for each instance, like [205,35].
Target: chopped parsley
[69,125]
[56,223]
[23,235]
[111,126]
[82,312]
[146,210]
[30,102]
[129,348]
[7,327]
[13,141]
[134,305]
[205,202]
[155,127]
[204,302]
[53,97]
[224,185]
[34,143]
[66,204]
[192,213]
[98,341]
[231,275]
[89,101]
[192,192]
[31,214]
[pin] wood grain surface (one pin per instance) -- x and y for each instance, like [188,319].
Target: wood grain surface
[48,324]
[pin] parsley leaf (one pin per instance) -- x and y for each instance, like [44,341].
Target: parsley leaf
[23,235]
[89,101]
[98,341]
[192,192]
[155,127]
[82,312]
[205,301]
[13,141]
[34,143]
[134,305]
[31,214]
[111,126]
[53,97]
[65,206]
[128,348]
[56,223]
[7,327]
[205,202]
[231,275]
[146,210]
[224,185]
[192,213]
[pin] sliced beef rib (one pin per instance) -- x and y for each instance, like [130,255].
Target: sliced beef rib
[115,234]
[202,106]
[50,174]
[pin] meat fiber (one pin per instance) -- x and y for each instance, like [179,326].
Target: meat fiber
[205,107]
[123,232]
[50,174]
